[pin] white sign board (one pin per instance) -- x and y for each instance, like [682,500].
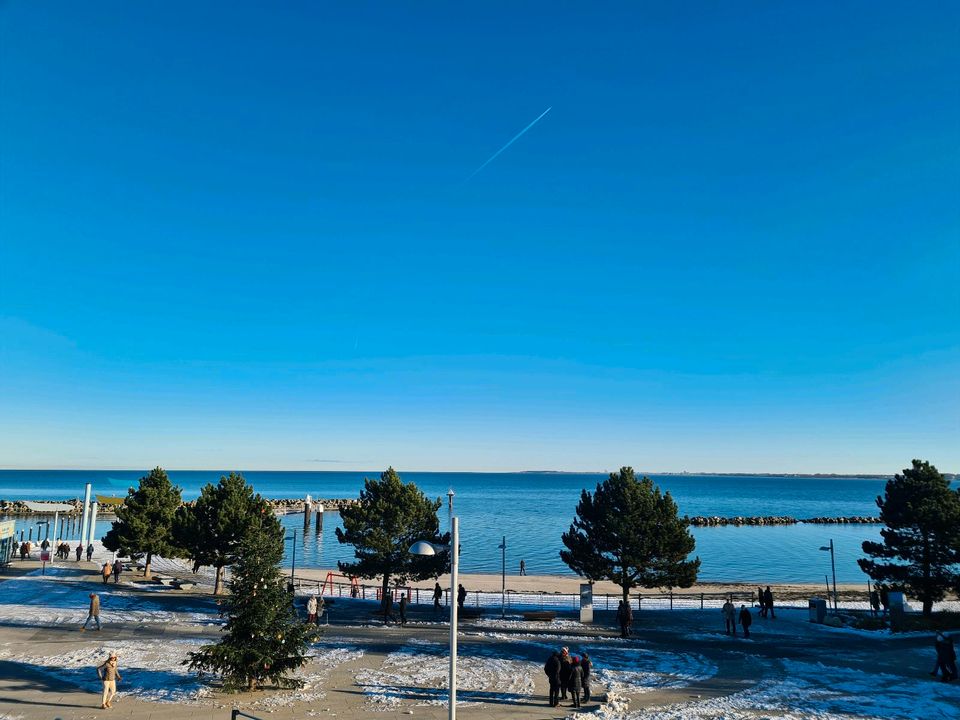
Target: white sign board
[586,603]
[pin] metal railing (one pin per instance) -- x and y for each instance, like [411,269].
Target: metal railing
[536,600]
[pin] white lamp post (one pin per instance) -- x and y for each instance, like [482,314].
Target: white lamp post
[422,547]
[833,566]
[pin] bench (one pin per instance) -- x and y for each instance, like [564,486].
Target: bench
[540,616]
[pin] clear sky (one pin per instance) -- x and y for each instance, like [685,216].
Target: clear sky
[241,235]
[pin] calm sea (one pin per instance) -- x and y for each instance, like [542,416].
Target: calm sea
[533,509]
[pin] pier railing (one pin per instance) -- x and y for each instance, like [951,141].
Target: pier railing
[535,600]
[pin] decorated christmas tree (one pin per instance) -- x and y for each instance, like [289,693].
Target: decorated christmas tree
[264,641]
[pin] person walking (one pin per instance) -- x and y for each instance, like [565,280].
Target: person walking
[552,671]
[523,568]
[388,608]
[628,616]
[622,618]
[93,613]
[117,569]
[874,602]
[79,551]
[729,617]
[106,571]
[437,597]
[108,674]
[746,620]
[768,602]
[576,681]
[946,664]
[89,552]
[761,603]
[885,599]
[585,667]
[312,609]
[461,596]
[403,609]
[566,666]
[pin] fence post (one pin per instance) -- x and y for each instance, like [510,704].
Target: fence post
[671,598]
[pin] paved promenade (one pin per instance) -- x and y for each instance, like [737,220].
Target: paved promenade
[678,665]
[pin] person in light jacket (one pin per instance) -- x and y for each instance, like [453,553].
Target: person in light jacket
[109,674]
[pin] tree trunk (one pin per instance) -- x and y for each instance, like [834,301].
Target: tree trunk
[146,565]
[383,594]
[218,582]
[927,607]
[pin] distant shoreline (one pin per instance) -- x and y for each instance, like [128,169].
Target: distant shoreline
[840,476]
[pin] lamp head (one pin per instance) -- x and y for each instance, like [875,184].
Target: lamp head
[422,547]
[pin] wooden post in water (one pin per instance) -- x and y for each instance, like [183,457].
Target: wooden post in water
[307,508]
[320,510]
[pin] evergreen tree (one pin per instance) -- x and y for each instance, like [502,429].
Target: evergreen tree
[211,528]
[390,516]
[920,551]
[629,533]
[144,523]
[264,640]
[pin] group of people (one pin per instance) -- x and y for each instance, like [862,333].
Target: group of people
[731,617]
[62,551]
[765,603]
[111,569]
[568,674]
[315,609]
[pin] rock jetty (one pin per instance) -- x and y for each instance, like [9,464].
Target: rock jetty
[702,521]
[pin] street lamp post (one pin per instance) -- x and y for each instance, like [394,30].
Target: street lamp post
[833,567]
[422,547]
[503,578]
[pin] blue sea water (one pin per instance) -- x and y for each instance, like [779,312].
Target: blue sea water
[533,509]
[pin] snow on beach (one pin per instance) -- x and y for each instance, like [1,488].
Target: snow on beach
[419,672]
[37,599]
[151,669]
[314,676]
[812,690]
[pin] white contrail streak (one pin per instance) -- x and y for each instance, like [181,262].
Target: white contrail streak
[511,142]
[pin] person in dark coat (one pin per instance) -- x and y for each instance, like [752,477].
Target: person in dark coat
[622,619]
[388,608]
[89,551]
[745,620]
[461,596]
[586,666]
[79,552]
[403,609]
[768,602]
[576,681]
[565,668]
[552,670]
[761,603]
[946,658]
[874,602]
[437,597]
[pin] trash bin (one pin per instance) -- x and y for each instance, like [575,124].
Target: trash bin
[818,610]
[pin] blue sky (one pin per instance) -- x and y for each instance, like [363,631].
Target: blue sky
[240,235]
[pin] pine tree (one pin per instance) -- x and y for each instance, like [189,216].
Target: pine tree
[390,516]
[629,533]
[211,528]
[920,551]
[264,640]
[144,523]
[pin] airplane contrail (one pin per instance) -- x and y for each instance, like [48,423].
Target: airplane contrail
[511,142]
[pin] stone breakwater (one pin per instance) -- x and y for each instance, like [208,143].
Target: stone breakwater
[284,506]
[702,521]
